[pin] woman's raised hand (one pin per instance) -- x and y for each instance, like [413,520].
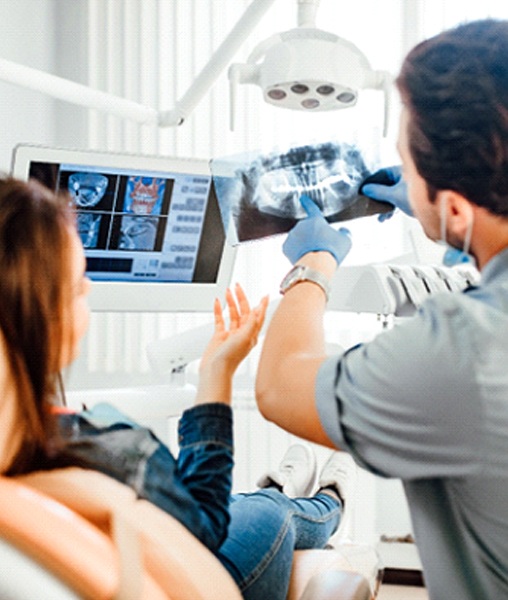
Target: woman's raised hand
[231,343]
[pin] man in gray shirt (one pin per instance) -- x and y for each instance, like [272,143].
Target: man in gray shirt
[427,401]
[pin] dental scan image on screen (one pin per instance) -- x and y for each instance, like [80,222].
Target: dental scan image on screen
[139,227]
[141,224]
[259,193]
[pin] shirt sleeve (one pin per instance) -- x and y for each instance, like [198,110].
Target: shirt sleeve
[407,404]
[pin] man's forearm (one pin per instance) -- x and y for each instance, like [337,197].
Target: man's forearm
[297,325]
[293,350]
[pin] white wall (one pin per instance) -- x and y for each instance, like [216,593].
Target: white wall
[70,60]
[49,35]
[27,34]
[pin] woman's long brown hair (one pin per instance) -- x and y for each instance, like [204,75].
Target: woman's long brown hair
[34,273]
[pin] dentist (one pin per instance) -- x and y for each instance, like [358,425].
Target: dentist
[426,401]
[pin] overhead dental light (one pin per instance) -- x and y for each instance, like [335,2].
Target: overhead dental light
[308,69]
[304,68]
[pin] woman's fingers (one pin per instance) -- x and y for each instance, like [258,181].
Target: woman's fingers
[240,311]
[218,316]
[243,303]
[261,310]
[239,307]
[234,315]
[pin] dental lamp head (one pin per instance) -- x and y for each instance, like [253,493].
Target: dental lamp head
[311,70]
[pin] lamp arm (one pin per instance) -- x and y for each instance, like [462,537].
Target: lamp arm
[76,93]
[307,10]
[218,61]
[82,95]
[382,80]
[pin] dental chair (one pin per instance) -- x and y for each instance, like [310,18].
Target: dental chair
[73,533]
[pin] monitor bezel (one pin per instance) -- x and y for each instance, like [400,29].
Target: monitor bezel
[119,296]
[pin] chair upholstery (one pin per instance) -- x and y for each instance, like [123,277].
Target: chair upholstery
[68,546]
[135,550]
[165,544]
[324,586]
[23,577]
[318,574]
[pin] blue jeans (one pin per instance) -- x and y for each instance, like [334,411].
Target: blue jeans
[265,528]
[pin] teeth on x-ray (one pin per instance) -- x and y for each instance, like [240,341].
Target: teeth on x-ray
[328,173]
[145,195]
[259,195]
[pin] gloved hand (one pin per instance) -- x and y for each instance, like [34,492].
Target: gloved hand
[314,233]
[387,185]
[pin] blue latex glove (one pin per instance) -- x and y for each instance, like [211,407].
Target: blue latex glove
[314,234]
[393,190]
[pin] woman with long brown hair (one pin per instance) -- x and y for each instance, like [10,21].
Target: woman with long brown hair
[43,317]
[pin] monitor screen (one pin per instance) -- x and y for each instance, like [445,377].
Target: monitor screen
[150,226]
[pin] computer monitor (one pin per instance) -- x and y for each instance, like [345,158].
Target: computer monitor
[150,226]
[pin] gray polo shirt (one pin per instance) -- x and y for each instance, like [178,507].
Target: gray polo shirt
[427,402]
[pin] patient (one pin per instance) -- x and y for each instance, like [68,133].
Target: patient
[43,317]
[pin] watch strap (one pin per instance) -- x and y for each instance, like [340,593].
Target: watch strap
[300,274]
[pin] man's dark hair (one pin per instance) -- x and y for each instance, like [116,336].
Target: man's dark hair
[455,87]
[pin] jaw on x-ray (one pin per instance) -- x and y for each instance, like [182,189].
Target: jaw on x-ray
[260,194]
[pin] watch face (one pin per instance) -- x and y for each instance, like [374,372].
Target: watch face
[291,277]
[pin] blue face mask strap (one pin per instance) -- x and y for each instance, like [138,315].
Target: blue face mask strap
[469,232]
[443,207]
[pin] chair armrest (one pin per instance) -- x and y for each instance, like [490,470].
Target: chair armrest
[177,561]
[353,562]
[337,585]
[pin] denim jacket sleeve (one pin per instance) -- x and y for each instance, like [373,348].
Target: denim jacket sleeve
[194,488]
[205,461]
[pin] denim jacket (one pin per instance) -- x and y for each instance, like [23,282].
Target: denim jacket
[194,488]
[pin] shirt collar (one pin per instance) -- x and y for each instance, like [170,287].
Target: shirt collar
[496,267]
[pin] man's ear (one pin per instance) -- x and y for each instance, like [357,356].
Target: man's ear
[459,211]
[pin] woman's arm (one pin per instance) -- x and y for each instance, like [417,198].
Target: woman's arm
[205,460]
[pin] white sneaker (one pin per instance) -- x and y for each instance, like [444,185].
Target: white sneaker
[340,472]
[296,475]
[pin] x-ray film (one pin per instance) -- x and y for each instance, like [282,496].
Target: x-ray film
[259,194]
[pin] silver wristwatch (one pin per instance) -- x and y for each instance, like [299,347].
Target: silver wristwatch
[301,273]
